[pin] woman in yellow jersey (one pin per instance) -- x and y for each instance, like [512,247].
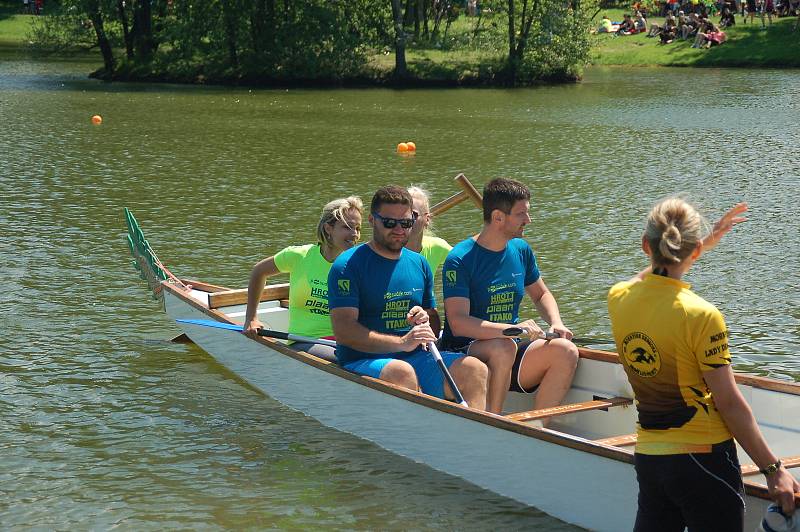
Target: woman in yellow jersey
[433,248]
[338,229]
[674,348]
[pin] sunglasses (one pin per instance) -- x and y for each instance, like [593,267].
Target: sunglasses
[389,223]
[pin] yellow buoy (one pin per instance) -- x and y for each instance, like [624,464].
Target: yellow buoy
[402,147]
[411,146]
[97,120]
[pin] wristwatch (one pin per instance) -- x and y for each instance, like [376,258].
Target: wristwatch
[771,468]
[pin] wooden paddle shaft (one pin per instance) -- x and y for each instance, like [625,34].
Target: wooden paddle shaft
[468,191]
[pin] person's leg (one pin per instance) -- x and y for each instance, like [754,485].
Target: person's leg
[471,376]
[656,511]
[468,372]
[550,365]
[325,352]
[498,354]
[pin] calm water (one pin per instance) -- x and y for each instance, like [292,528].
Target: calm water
[104,423]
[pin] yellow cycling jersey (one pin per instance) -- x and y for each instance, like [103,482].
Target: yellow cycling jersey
[667,336]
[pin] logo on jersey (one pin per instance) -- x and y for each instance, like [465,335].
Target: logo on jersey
[450,275]
[641,354]
[344,286]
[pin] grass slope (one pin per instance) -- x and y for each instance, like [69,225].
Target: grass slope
[747,46]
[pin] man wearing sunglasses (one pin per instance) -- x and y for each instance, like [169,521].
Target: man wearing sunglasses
[380,296]
[484,281]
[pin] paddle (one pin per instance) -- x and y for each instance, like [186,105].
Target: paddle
[517,331]
[449,378]
[261,332]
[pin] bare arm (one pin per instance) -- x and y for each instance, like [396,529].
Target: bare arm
[740,421]
[456,310]
[258,278]
[350,332]
[546,304]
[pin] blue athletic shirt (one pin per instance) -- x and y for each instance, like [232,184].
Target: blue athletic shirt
[493,281]
[383,290]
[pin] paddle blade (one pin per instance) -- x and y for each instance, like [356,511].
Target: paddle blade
[215,324]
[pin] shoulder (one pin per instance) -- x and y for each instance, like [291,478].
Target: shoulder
[345,257]
[434,242]
[519,244]
[696,306]
[621,288]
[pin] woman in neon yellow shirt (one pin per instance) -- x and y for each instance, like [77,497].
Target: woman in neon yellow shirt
[433,248]
[339,229]
[673,345]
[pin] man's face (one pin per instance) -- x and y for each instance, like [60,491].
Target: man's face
[515,221]
[393,239]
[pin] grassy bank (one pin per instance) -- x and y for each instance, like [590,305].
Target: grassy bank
[747,46]
[14,26]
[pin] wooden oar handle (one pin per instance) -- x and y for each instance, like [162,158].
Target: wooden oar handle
[468,191]
[517,331]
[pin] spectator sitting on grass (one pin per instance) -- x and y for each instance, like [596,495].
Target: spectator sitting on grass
[606,26]
[668,32]
[711,36]
[655,29]
[627,27]
[640,24]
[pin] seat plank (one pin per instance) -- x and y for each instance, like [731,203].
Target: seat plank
[239,296]
[788,462]
[530,415]
[619,441]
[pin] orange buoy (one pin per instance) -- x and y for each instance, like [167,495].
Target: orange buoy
[402,147]
[97,120]
[411,146]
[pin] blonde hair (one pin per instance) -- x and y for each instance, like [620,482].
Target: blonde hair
[424,196]
[336,210]
[674,228]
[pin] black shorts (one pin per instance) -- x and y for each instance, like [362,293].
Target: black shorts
[462,345]
[701,491]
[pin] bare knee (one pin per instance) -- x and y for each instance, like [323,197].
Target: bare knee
[401,373]
[568,355]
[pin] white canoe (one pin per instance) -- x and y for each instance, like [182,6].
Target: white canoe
[578,470]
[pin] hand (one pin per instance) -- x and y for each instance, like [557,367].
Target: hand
[782,487]
[417,316]
[562,331]
[418,335]
[529,328]
[251,327]
[725,224]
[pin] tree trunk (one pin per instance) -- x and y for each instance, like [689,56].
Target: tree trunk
[400,69]
[143,34]
[126,34]
[102,39]
[424,15]
[229,18]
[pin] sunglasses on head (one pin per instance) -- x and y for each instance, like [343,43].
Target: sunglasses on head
[389,223]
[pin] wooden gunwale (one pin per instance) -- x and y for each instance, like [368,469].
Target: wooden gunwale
[238,296]
[204,287]
[597,447]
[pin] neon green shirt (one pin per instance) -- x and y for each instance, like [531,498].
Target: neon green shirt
[308,289]
[435,250]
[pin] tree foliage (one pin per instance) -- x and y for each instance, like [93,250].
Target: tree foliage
[326,40]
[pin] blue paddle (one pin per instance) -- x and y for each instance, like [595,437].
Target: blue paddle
[261,332]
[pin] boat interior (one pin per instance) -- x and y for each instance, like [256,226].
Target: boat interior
[599,406]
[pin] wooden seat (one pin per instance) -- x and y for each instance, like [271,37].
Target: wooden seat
[619,441]
[597,404]
[239,297]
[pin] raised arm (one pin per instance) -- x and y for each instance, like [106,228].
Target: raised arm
[350,332]
[258,278]
[739,418]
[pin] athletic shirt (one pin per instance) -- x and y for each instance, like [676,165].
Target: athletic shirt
[435,250]
[308,289]
[383,290]
[493,281]
[667,336]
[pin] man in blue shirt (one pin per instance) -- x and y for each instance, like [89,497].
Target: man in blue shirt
[484,280]
[380,296]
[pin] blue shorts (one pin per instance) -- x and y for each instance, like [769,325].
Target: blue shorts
[429,376]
